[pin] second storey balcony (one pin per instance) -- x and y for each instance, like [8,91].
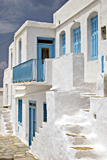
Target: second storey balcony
[38,70]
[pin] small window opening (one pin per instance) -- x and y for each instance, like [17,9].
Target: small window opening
[95,117]
[103,32]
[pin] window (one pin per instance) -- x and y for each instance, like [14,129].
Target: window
[20,111]
[76,38]
[44,112]
[62,43]
[20,51]
[11,60]
[92,37]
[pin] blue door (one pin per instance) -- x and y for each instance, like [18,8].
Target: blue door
[77,40]
[63,44]
[44,112]
[45,49]
[94,38]
[32,120]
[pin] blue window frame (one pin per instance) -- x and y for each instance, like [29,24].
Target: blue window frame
[94,38]
[77,40]
[20,111]
[63,44]
[44,112]
[20,51]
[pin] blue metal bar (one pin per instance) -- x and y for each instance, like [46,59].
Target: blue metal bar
[102,64]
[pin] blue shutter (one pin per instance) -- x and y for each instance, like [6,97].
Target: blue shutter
[20,111]
[94,38]
[77,40]
[44,112]
[102,64]
[20,51]
[63,44]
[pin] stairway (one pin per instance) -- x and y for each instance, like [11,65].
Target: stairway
[81,140]
[7,126]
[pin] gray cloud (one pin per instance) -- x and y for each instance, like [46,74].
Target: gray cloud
[15,12]
[3,65]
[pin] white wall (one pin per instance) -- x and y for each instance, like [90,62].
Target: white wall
[92,68]
[98,107]
[24,128]
[68,71]
[32,34]
[1,97]
[23,37]
[7,82]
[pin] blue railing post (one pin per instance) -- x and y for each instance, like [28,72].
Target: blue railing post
[102,64]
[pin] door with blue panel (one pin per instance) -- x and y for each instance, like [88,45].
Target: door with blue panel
[94,38]
[32,120]
[44,112]
[45,50]
[77,40]
[63,44]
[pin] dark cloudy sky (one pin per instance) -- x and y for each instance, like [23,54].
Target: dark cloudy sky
[13,13]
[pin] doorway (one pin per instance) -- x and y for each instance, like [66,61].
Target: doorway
[32,120]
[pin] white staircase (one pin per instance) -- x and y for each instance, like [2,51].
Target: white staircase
[6,126]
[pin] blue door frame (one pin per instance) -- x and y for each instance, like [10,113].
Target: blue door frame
[77,40]
[40,63]
[44,112]
[32,120]
[94,38]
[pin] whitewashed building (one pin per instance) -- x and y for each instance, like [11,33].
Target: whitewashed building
[50,83]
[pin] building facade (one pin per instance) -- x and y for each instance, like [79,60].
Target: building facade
[50,84]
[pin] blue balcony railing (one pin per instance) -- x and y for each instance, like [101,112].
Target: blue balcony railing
[32,70]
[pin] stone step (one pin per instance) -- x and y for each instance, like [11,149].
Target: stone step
[84,152]
[7,119]
[75,139]
[8,124]
[72,128]
[6,115]
[9,128]
[9,131]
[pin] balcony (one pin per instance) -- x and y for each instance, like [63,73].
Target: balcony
[33,70]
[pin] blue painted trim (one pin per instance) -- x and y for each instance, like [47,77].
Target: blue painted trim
[20,111]
[94,38]
[77,40]
[32,121]
[102,64]
[18,128]
[40,65]
[44,112]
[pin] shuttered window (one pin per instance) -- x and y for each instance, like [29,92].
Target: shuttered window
[94,38]
[20,51]
[63,44]
[20,111]
[44,112]
[77,40]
